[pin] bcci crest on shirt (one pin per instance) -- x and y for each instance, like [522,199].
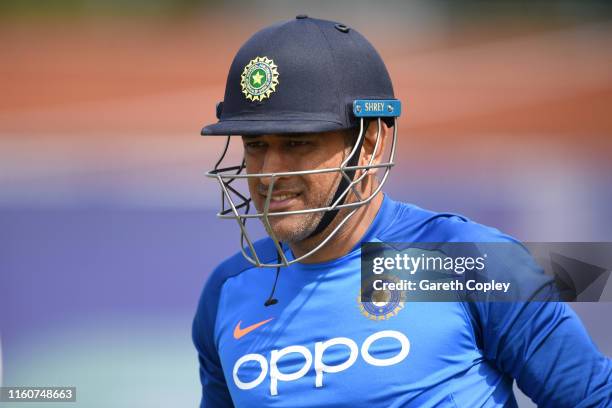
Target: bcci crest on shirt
[380,304]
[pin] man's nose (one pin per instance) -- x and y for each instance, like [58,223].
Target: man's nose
[274,162]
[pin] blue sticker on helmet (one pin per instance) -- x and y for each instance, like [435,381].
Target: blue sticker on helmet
[366,108]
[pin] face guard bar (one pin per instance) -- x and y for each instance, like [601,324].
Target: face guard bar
[226,175]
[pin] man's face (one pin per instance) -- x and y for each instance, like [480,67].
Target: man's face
[288,153]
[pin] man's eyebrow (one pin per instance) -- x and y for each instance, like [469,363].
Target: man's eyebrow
[283,135]
[296,135]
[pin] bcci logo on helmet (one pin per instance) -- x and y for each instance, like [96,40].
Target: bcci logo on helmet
[380,304]
[259,79]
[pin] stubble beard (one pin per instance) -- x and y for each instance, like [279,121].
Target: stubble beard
[298,227]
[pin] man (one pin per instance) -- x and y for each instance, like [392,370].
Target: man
[281,322]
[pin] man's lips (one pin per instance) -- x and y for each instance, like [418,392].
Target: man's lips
[280,200]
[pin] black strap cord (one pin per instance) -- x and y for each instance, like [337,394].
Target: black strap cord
[271,300]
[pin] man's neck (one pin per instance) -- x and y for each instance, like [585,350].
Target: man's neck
[345,239]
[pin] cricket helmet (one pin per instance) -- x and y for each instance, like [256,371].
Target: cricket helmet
[300,76]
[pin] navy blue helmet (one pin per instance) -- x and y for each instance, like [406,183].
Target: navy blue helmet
[301,76]
[297,76]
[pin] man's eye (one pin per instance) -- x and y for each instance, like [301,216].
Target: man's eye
[253,145]
[297,143]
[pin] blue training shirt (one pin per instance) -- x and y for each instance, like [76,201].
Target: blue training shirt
[317,348]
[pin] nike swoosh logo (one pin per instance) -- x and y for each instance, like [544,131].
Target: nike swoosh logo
[239,332]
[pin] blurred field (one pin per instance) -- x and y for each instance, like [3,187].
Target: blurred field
[107,228]
[94,97]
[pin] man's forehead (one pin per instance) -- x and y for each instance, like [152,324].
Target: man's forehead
[296,135]
[284,135]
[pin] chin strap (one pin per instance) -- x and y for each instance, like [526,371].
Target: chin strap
[329,216]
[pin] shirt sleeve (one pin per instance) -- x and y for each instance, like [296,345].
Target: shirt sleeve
[544,347]
[214,388]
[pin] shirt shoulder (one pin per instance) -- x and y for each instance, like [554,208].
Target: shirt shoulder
[410,223]
[237,263]
[206,314]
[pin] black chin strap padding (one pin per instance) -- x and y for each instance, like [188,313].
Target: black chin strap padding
[329,216]
[271,302]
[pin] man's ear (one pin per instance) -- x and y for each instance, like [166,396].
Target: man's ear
[377,129]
